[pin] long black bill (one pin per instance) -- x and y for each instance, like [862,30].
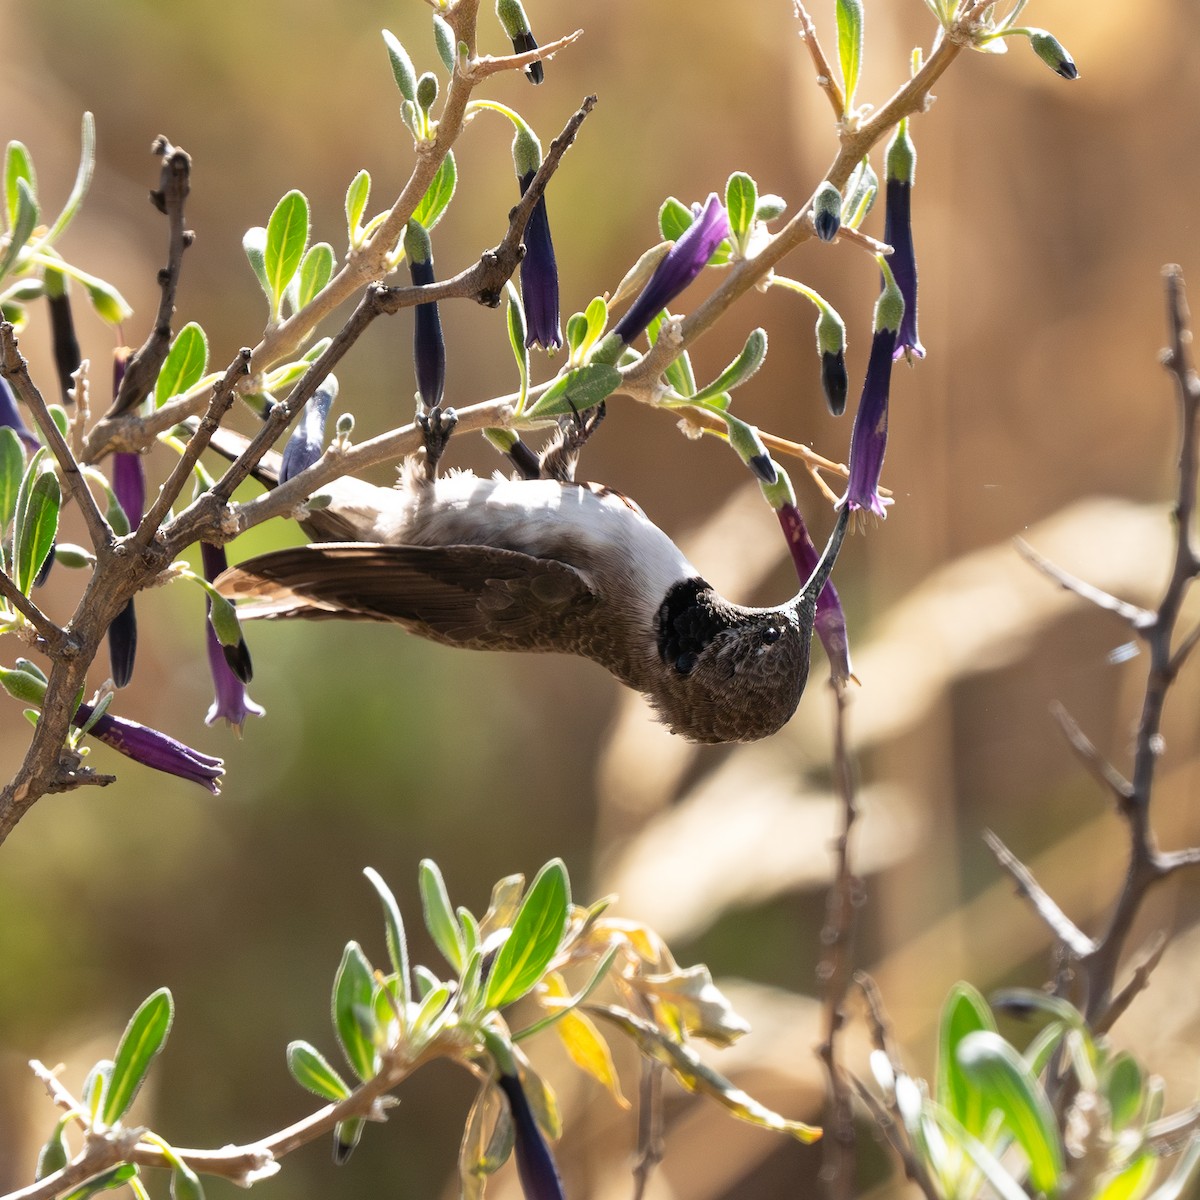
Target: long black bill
[820,576]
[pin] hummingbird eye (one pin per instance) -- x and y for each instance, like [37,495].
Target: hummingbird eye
[771,635]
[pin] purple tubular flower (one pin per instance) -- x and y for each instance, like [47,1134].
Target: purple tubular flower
[539,277]
[429,347]
[830,623]
[229,665]
[683,262]
[535,1164]
[868,441]
[897,232]
[129,485]
[153,749]
[10,415]
[305,445]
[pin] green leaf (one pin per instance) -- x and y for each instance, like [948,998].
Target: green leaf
[184,366]
[95,1087]
[18,165]
[254,243]
[432,1007]
[850,46]
[578,390]
[964,1012]
[439,915]
[516,340]
[287,236]
[316,270]
[443,37]
[38,529]
[310,1070]
[674,217]
[536,934]
[402,68]
[143,1038]
[353,1014]
[114,1177]
[439,193]
[596,315]
[741,201]
[397,943]
[22,225]
[753,355]
[357,195]
[1007,1085]
[1125,1086]
[860,193]
[83,180]
[1132,1182]
[12,469]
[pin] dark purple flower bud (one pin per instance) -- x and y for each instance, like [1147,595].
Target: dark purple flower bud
[429,347]
[10,415]
[868,441]
[65,344]
[834,381]
[535,1164]
[830,623]
[129,485]
[153,749]
[229,665]
[539,277]
[516,25]
[122,645]
[897,232]
[307,442]
[682,263]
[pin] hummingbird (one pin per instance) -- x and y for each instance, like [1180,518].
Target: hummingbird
[543,564]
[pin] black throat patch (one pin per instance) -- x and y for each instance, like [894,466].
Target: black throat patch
[688,619]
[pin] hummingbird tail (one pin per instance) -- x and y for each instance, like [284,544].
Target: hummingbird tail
[820,576]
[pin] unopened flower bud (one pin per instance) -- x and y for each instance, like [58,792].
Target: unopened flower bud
[827,212]
[1053,53]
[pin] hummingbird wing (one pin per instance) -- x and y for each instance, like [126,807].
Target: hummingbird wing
[481,597]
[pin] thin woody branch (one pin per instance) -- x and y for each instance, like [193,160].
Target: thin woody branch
[1059,924]
[835,970]
[1096,763]
[146,362]
[1138,618]
[485,65]
[825,80]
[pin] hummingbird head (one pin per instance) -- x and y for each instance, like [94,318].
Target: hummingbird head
[735,674]
[743,681]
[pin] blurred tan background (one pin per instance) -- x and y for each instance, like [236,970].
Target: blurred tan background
[1044,211]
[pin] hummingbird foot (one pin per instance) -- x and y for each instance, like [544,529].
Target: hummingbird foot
[437,424]
[559,459]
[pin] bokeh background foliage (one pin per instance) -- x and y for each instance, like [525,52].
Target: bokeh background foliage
[1042,214]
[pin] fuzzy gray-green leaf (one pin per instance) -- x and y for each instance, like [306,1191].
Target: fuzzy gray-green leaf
[144,1037]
